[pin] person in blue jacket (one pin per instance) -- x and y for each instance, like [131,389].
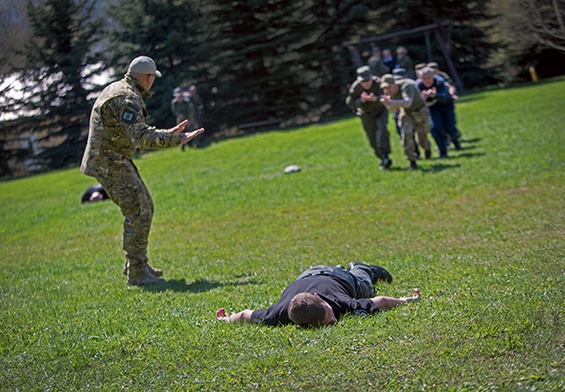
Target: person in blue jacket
[442,109]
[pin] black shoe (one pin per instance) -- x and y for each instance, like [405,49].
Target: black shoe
[385,164]
[428,154]
[379,273]
[413,166]
[456,144]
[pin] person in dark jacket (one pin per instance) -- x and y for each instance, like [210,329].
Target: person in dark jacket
[94,193]
[441,107]
[321,295]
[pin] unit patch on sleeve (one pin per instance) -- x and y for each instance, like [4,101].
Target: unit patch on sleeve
[128,117]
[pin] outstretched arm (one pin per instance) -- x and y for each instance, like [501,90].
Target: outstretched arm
[244,315]
[386,303]
[392,104]
[186,136]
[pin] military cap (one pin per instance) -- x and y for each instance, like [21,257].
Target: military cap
[426,70]
[419,66]
[364,73]
[399,73]
[144,65]
[387,80]
[433,65]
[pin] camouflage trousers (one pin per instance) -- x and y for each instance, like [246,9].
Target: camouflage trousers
[414,126]
[128,191]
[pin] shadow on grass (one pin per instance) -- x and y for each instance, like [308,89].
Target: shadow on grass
[473,140]
[198,286]
[466,154]
[435,168]
[470,98]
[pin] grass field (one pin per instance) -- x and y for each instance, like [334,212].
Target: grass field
[480,234]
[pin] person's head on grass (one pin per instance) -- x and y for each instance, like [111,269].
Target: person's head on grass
[310,310]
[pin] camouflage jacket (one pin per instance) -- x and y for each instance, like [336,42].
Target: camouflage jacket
[409,91]
[118,128]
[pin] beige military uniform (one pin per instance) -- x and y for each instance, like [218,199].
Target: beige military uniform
[413,119]
[117,130]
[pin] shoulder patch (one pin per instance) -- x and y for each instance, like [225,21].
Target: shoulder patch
[128,116]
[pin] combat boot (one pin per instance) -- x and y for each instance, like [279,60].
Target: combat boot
[154,271]
[139,275]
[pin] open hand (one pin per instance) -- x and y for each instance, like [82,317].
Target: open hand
[178,128]
[188,136]
[365,96]
[414,297]
[385,100]
[222,315]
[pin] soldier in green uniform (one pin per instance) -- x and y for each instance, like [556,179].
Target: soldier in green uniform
[413,116]
[376,65]
[183,108]
[117,129]
[363,97]
[403,60]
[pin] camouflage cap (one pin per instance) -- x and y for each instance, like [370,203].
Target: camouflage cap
[364,73]
[387,80]
[144,65]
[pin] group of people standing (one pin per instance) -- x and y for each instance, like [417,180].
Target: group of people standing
[420,98]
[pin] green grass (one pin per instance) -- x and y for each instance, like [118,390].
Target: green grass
[481,234]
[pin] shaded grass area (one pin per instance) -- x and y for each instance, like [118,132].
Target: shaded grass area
[481,234]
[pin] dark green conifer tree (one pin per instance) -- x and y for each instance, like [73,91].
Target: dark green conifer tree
[467,39]
[60,58]
[165,30]
[280,59]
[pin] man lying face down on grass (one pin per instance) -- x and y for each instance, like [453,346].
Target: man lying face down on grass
[321,295]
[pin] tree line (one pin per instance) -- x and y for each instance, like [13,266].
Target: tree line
[255,60]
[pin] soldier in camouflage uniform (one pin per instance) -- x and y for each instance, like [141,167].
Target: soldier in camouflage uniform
[363,97]
[413,116]
[117,130]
